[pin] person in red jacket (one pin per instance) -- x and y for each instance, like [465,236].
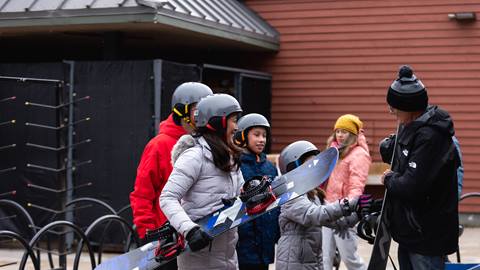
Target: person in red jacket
[155,167]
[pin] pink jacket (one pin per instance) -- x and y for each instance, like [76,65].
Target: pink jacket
[350,175]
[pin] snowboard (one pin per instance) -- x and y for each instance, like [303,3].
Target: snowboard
[383,238]
[287,187]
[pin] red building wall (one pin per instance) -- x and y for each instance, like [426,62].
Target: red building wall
[339,57]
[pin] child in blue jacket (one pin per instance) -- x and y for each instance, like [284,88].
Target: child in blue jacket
[256,244]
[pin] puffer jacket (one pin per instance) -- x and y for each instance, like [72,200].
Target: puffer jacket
[422,201]
[152,174]
[350,175]
[194,189]
[300,243]
[257,238]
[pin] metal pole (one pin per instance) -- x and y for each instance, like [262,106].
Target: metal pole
[70,133]
[157,95]
[61,177]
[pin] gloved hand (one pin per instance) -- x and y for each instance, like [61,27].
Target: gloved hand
[386,148]
[360,205]
[364,205]
[341,228]
[342,225]
[150,236]
[197,239]
[376,206]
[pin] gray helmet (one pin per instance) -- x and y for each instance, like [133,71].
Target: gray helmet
[291,156]
[213,110]
[187,94]
[245,123]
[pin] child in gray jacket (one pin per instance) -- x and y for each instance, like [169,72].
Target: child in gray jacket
[300,243]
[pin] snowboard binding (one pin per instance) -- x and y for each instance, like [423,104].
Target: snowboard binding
[257,194]
[367,227]
[171,243]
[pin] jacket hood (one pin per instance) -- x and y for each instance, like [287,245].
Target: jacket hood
[169,128]
[362,141]
[434,117]
[186,142]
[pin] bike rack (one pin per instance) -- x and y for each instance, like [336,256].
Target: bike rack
[26,246]
[463,197]
[20,209]
[120,212]
[59,223]
[95,224]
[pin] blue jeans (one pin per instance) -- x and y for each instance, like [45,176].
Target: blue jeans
[413,261]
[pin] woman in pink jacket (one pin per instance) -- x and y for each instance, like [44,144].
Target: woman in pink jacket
[347,180]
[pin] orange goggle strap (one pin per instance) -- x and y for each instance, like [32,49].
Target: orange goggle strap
[240,141]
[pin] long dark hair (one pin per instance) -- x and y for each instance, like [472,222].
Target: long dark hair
[226,156]
[316,192]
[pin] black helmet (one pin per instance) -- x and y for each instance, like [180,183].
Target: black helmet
[292,155]
[186,94]
[212,111]
[246,123]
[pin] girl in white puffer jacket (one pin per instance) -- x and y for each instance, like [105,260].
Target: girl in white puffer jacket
[206,169]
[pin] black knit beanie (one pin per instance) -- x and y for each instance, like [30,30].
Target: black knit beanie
[407,93]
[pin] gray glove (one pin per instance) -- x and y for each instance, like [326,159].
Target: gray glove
[342,225]
[341,228]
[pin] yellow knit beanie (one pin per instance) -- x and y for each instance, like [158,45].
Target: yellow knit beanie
[349,122]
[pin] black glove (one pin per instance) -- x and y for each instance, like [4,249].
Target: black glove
[376,206]
[386,148]
[150,236]
[197,239]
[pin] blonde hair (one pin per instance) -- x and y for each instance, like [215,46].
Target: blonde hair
[349,143]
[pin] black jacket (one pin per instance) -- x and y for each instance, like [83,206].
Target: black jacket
[422,190]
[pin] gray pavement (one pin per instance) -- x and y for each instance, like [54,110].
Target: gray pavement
[469,248]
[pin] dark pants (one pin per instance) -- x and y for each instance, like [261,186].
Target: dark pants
[413,261]
[253,267]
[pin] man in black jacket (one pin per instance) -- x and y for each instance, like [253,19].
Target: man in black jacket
[422,185]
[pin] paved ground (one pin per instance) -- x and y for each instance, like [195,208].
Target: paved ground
[469,247]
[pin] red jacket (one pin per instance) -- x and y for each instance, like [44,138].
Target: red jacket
[152,174]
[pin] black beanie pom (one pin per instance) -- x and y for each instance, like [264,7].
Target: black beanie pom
[405,72]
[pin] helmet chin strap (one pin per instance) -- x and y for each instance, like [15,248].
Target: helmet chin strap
[189,121]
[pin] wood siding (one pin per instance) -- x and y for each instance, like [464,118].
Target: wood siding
[339,57]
